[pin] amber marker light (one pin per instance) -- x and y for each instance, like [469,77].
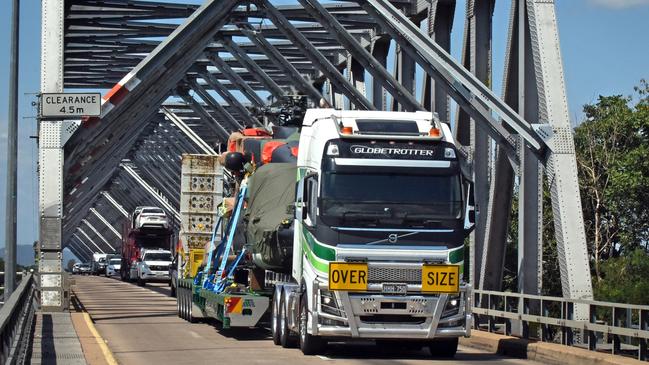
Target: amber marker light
[347,130]
[435,132]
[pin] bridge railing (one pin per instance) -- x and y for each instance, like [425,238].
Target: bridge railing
[621,329]
[16,317]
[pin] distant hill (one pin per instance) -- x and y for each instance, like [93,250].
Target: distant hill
[24,255]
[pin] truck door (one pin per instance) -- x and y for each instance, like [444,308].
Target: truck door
[297,230]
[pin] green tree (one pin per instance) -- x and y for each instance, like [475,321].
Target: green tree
[612,147]
[70,264]
[624,279]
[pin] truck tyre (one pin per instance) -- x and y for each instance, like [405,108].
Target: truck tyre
[190,307]
[285,338]
[274,320]
[183,304]
[443,347]
[309,344]
[140,281]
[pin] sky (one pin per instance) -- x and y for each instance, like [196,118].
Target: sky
[605,47]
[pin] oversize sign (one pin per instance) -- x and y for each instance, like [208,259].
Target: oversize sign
[348,276]
[440,278]
[69,105]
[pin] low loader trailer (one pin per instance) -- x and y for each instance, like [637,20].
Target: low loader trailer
[349,226]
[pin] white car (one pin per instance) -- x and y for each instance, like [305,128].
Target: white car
[113,267]
[151,217]
[153,266]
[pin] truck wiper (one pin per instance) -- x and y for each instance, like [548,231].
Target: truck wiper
[423,219]
[363,216]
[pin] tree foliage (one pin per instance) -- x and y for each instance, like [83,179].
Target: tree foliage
[624,279]
[612,147]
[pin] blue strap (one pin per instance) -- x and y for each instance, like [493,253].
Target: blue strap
[232,226]
[221,284]
[206,269]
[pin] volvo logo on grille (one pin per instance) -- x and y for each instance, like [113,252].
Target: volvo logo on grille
[393,237]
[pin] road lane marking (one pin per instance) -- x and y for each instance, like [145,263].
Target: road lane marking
[108,355]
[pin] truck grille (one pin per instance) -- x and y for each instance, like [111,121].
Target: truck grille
[394,275]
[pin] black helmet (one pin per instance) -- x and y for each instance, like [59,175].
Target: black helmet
[234,161]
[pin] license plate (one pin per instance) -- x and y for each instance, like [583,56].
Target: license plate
[440,278]
[392,288]
[348,276]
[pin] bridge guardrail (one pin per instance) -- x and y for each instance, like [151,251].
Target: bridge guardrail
[622,329]
[16,318]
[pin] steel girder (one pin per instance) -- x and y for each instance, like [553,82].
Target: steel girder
[477,59]
[311,52]
[253,67]
[201,145]
[360,54]
[440,23]
[142,91]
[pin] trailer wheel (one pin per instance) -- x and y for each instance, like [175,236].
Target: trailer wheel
[178,299]
[285,338]
[443,347]
[274,320]
[190,307]
[309,344]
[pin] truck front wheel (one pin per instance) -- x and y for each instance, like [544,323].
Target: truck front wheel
[443,347]
[309,344]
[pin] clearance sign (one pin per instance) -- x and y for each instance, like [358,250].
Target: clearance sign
[70,105]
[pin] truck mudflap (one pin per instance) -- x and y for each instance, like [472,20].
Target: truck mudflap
[234,310]
[376,315]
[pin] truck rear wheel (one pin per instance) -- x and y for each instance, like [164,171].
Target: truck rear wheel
[181,303]
[285,338]
[443,347]
[274,320]
[309,344]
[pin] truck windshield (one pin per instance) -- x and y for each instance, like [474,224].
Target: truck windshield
[115,261]
[157,256]
[399,198]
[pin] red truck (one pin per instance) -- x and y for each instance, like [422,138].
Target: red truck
[136,239]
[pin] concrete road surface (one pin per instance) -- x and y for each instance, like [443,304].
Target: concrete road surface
[141,327]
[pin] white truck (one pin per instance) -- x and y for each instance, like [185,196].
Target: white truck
[98,264]
[380,210]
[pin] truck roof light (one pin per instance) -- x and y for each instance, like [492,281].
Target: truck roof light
[435,132]
[346,130]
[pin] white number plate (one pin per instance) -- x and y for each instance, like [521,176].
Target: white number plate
[394,288]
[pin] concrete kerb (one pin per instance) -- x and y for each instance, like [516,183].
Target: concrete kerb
[547,353]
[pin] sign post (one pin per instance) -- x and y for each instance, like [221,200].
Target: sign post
[70,105]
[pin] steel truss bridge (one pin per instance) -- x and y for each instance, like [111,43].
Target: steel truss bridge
[179,77]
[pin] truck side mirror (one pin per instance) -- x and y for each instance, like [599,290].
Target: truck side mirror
[290,209]
[470,211]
